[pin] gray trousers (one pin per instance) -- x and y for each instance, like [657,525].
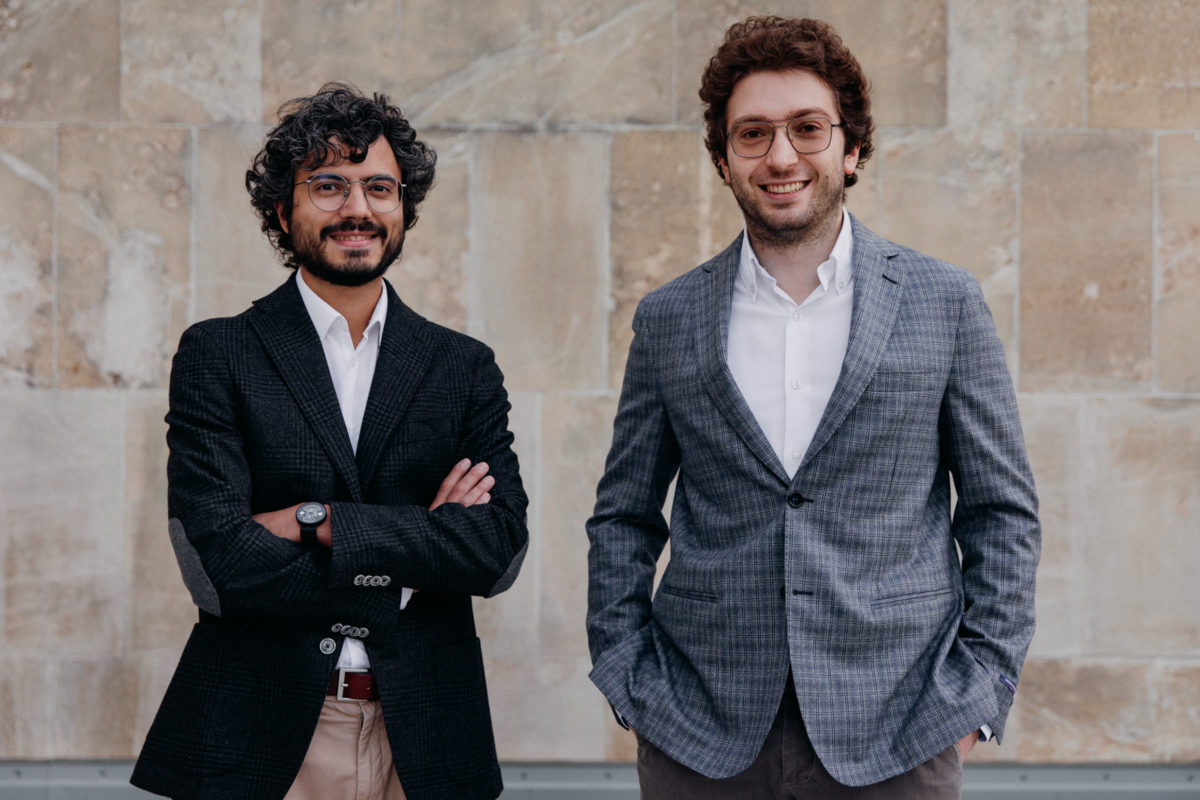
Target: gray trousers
[788,769]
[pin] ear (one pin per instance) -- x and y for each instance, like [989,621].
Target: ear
[724,168]
[284,222]
[850,161]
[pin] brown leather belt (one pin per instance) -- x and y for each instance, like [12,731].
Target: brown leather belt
[352,684]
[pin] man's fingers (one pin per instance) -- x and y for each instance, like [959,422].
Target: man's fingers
[450,483]
[475,495]
[468,483]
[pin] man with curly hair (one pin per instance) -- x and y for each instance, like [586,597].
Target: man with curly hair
[816,393]
[341,482]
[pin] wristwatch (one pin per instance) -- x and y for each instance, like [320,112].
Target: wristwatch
[310,515]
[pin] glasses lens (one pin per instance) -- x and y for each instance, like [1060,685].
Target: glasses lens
[328,192]
[751,139]
[383,194]
[810,134]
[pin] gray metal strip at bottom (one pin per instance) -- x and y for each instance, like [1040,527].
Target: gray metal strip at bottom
[109,780]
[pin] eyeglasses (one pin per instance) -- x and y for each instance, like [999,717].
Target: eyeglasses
[807,134]
[329,192]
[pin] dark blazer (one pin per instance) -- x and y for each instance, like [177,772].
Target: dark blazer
[254,425]
[847,573]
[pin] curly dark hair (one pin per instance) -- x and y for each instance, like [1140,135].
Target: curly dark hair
[762,44]
[302,138]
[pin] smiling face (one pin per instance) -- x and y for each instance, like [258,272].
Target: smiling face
[787,198]
[354,244]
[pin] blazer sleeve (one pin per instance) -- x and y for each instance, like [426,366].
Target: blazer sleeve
[996,516]
[627,530]
[451,549]
[234,567]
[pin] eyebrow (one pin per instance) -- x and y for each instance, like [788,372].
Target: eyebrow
[795,114]
[319,173]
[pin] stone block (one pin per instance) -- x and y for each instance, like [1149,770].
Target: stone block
[670,213]
[1141,553]
[1017,64]
[953,195]
[1086,262]
[546,709]
[187,63]
[162,610]
[901,45]
[27,257]
[1138,75]
[431,273]
[1076,711]
[23,691]
[607,61]
[469,64]
[576,433]
[62,61]
[1177,336]
[864,199]
[538,262]
[235,263]
[92,708]
[1054,428]
[63,573]
[508,623]
[307,43]
[1175,688]
[124,202]
[700,27]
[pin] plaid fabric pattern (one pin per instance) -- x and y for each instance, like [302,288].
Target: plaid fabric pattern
[847,573]
[254,425]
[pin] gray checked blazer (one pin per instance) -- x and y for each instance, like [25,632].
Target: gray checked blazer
[849,572]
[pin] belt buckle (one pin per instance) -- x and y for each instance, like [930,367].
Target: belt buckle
[342,685]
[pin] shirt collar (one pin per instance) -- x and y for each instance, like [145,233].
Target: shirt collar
[839,265]
[325,316]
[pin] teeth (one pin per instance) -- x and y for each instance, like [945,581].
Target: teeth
[784,188]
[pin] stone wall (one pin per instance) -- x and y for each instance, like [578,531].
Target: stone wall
[1051,146]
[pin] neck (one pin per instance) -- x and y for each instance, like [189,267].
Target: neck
[355,303]
[793,263]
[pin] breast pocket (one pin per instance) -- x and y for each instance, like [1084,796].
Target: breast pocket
[904,380]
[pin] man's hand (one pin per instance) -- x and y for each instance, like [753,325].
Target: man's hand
[966,743]
[465,485]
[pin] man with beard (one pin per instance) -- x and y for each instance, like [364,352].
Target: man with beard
[815,391]
[341,482]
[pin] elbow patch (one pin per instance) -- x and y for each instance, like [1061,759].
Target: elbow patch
[510,574]
[204,594]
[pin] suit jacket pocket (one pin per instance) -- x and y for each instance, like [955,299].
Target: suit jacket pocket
[910,597]
[422,430]
[687,593]
[916,380]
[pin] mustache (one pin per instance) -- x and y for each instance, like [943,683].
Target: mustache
[352,226]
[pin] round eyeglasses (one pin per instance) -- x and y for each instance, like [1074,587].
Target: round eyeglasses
[808,135]
[329,192]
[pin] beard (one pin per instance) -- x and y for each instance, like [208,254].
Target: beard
[823,214]
[356,270]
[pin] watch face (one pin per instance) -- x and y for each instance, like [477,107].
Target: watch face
[310,513]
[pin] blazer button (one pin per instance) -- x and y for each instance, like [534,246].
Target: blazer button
[358,580]
[364,633]
[328,646]
[386,581]
[795,499]
[337,627]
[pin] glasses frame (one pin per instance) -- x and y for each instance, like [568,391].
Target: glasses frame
[346,193]
[783,123]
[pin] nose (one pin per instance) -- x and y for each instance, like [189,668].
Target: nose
[356,201]
[781,154]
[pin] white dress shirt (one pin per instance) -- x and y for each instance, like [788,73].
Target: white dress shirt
[786,356]
[352,370]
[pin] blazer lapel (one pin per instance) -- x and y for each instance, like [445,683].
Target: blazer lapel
[404,357]
[712,334]
[287,334]
[877,293]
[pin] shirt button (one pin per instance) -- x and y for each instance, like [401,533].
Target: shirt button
[328,646]
[354,362]
[796,384]
[796,315]
[796,455]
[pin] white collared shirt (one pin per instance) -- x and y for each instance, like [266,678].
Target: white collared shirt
[786,356]
[352,370]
